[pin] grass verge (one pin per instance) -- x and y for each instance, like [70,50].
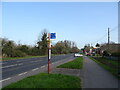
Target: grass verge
[44,80]
[75,64]
[107,65]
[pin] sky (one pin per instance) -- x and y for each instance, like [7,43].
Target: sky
[81,22]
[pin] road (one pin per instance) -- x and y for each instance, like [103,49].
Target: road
[13,67]
[14,70]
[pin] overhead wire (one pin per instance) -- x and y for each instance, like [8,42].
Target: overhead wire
[115,28]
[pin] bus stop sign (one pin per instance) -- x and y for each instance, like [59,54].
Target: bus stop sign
[52,35]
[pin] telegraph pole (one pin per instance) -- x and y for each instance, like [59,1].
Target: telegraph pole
[108,36]
[108,39]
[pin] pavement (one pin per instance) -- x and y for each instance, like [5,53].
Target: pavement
[92,75]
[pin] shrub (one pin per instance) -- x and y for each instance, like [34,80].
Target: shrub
[105,53]
[18,53]
[116,54]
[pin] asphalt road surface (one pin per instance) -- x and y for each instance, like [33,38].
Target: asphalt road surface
[14,67]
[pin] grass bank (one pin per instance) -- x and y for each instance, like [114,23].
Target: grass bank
[75,64]
[45,80]
[109,65]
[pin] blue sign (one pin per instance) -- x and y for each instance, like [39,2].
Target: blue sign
[52,35]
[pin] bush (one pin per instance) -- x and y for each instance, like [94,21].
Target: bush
[105,53]
[18,53]
[116,54]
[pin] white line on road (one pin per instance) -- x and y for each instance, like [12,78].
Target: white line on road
[5,79]
[18,61]
[35,69]
[3,62]
[9,66]
[52,63]
[34,61]
[42,66]
[20,64]
[22,74]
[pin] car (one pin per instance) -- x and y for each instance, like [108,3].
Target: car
[77,55]
[88,54]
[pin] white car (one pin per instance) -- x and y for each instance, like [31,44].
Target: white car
[78,55]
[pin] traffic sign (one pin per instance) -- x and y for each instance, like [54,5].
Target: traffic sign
[52,35]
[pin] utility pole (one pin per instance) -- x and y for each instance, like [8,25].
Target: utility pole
[108,36]
[108,39]
[91,44]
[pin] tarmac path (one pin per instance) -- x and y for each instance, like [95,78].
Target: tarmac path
[94,76]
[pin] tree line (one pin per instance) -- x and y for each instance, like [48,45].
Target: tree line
[11,49]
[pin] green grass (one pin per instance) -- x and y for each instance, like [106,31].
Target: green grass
[113,62]
[75,64]
[114,71]
[45,80]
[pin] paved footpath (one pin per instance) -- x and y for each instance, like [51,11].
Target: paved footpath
[94,76]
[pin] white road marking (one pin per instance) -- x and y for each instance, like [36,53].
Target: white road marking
[22,74]
[3,62]
[35,69]
[5,79]
[18,61]
[34,61]
[42,66]
[52,63]
[20,64]
[9,66]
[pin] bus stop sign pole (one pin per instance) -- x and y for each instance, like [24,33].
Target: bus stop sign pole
[51,36]
[49,53]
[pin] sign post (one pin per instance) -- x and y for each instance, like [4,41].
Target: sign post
[48,52]
[51,36]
